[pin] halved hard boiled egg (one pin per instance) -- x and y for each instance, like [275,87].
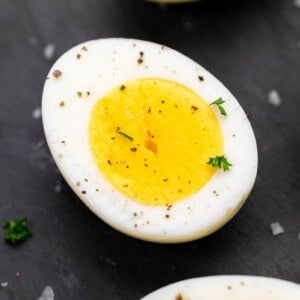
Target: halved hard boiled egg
[228,287]
[149,140]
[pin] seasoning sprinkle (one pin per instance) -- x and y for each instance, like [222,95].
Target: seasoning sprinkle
[133,149]
[201,78]
[220,162]
[84,48]
[193,107]
[78,56]
[57,73]
[62,104]
[79,94]
[122,87]
[125,135]
[219,103]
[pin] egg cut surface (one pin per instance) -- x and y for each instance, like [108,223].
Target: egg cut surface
[133,127]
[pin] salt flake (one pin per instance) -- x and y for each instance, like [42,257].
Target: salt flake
[36,113]
[297,3]
[58,188]
[4,284]
[113,263]
[49,51]
[276,228]
[47,294]
[274,98]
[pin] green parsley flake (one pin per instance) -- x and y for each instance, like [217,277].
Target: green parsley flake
[125,135]
[17,231]
[220,162]
[219,103]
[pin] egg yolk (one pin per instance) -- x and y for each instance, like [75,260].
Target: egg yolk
[152,139]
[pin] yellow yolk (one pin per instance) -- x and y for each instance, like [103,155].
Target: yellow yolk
[152,139]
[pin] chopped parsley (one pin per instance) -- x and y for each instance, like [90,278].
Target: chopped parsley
[17,231]
[219,103]
[125,135]
[220,162]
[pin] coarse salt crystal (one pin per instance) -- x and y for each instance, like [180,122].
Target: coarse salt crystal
[40,144]
[36,113]
[49,51]
[274,98]
[47,294]
[4,284]
[276,228]
[297,3]
[110,261]
[57,188]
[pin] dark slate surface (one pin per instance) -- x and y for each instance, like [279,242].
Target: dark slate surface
[252,46]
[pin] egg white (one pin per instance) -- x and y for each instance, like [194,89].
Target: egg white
[105,64]
[228,287]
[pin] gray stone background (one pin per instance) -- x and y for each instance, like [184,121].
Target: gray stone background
[252,46]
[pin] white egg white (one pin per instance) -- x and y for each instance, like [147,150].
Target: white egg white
[105,64]
[228,287]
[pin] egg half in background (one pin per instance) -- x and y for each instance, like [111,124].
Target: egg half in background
[131,127]
[228,287]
